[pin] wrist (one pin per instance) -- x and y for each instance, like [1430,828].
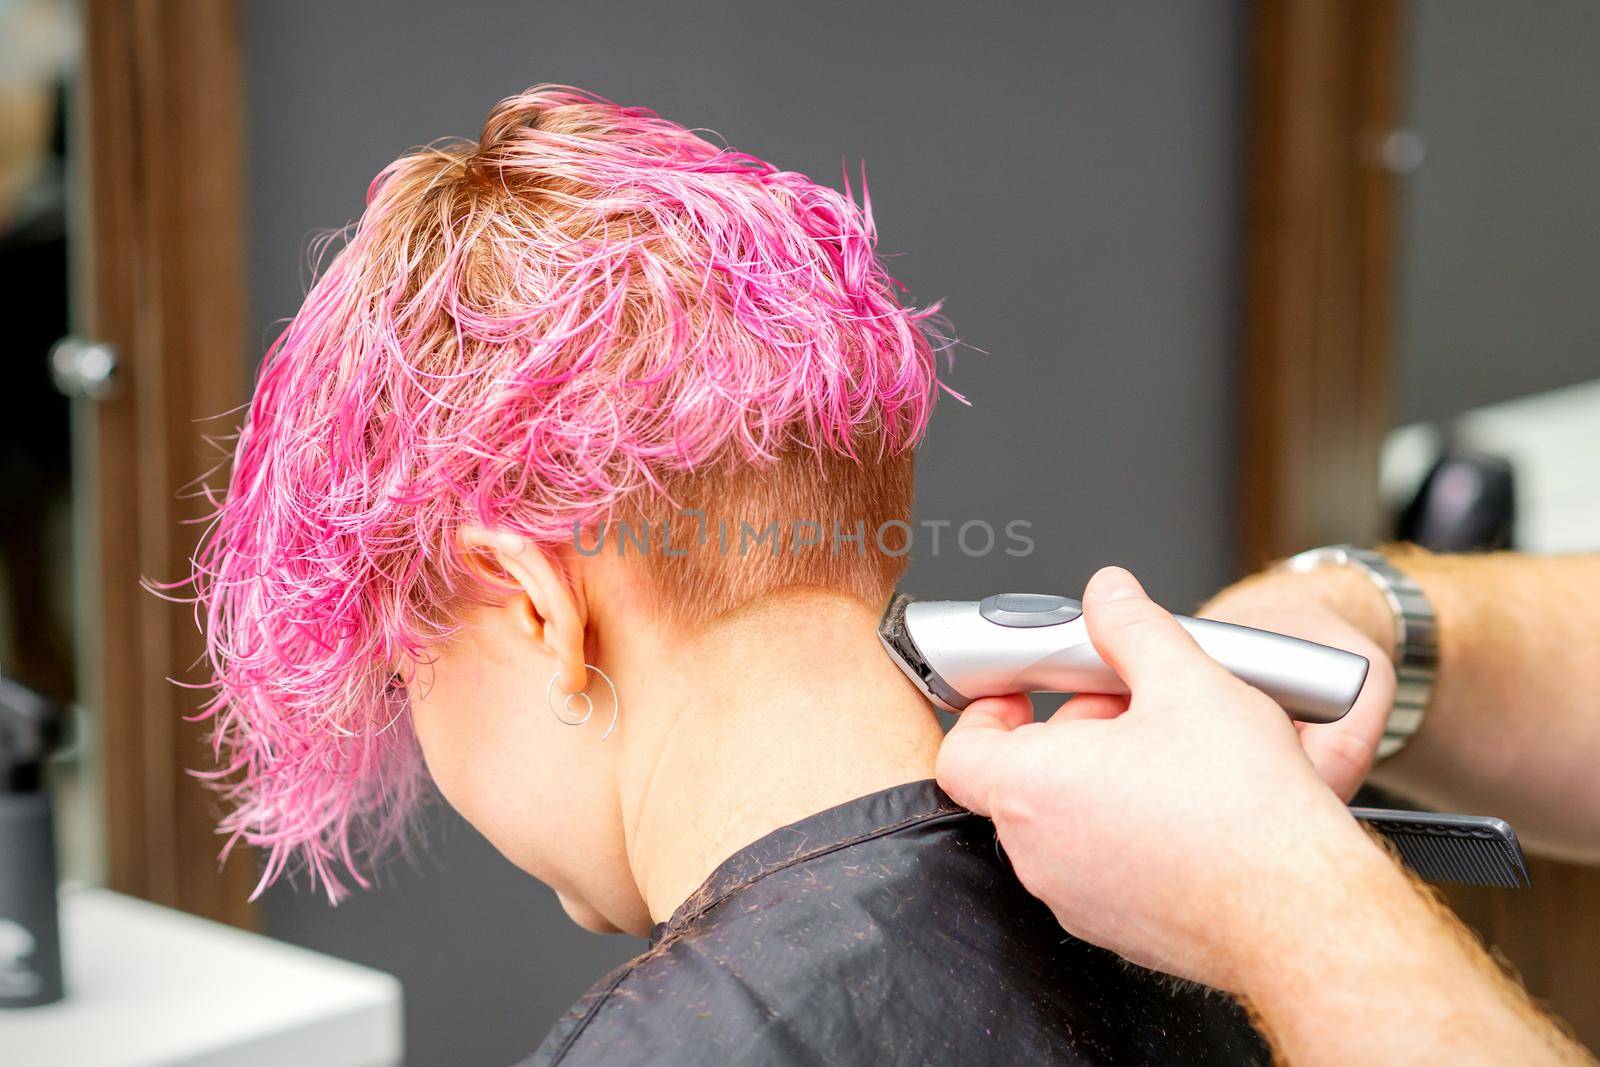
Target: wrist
[1357,600]
[1340,591]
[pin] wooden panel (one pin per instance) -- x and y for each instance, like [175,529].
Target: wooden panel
[1318,251]
[165,286]
[1549,934]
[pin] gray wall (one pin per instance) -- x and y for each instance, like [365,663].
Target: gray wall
[1065,174]
[1500,236]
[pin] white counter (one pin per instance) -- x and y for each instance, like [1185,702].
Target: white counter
[149,986]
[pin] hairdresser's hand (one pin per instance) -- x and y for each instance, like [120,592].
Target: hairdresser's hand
[1341,609]
[1185,828]
[1182,827]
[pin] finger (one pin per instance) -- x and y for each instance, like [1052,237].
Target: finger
[1343,751]
[1010,712]
[1138,638]
[972,760]
[1342,757]
[1091,706]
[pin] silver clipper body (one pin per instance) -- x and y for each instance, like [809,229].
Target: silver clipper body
[959,650]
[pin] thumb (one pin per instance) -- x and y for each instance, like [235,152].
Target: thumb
[972,759]
[1138,638]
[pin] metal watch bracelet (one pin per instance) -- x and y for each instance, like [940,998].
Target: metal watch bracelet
[1416,644]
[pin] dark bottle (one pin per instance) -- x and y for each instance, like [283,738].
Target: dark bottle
[30,939]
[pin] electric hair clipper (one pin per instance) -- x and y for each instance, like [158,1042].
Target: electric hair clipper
[957,651]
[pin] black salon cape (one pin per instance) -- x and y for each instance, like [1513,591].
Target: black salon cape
[886,930]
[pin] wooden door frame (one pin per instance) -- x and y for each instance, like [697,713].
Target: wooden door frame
[1319,240]
[161,128]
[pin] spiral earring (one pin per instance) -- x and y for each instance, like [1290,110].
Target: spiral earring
[588,702]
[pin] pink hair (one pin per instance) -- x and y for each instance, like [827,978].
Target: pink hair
[520,333]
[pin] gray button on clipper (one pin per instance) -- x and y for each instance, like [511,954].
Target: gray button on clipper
[1026,610]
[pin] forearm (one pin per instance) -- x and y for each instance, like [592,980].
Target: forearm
[1514,725]
[1372,970]
[1513,728]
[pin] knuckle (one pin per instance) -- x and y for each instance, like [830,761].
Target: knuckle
[1231,692]
[1138,616]
[954,764]
[1354,752]
[1012,808]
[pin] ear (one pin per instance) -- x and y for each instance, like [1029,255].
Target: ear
[553,610]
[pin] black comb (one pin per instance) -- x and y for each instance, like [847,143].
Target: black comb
[1465,849]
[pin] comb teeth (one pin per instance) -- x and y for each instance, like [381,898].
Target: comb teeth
[1466,849]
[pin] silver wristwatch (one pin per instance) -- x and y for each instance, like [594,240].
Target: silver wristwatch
[1416,642]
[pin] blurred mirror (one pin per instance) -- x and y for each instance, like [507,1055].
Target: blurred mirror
[1498,332]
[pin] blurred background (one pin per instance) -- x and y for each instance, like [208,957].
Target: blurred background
[1233,279]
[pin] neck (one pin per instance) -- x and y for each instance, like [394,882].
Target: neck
[764,717]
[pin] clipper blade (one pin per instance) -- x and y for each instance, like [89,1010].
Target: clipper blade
[896,638]
[892,631]
[897,642]
[1465,849]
